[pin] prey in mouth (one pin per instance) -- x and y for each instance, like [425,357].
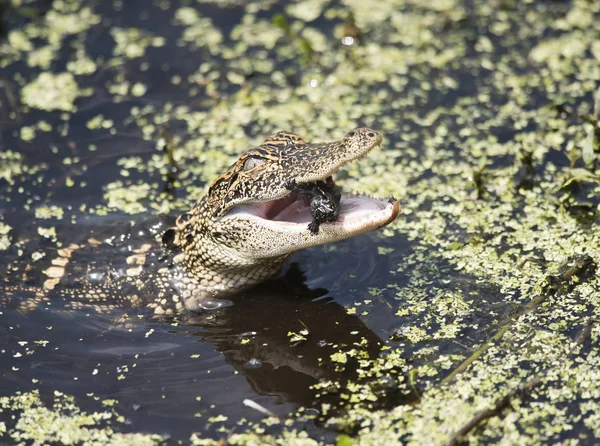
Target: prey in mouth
[324,199]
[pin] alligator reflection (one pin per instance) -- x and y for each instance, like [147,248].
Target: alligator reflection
[254,335]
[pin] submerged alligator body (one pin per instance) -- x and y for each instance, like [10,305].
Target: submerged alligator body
[239,234]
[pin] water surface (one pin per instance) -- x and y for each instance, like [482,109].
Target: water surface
[480,104]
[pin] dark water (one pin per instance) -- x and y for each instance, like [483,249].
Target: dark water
[170,376]
[164,373]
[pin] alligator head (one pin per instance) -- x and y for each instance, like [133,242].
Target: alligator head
[248,223]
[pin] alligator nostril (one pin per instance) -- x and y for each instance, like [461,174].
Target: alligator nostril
[370,134]
[351,134]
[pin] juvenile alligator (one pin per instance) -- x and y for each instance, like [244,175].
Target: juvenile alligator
[239,234]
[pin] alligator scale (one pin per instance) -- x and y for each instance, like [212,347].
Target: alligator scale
[238,235]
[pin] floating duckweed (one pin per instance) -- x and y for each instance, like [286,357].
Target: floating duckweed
[19,41]
[132,43]
[99,121]
[46,212]
[51,91]
[47,232]
[339,357]
[11,165]
[41,57]
[38,255]
[27,133]
[4,237]
[307,10]
[82,65]
[138,89]
[126,198]
[199,31]
[60,24]
[569,46]
[65,423]
[461,112]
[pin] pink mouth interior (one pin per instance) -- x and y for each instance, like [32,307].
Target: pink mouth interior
[294,208]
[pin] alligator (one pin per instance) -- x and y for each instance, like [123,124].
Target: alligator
[237,235]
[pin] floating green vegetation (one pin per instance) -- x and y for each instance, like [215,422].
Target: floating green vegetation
[490,113]
[132,43]
[46,212]
[4,237]
[64,423]
[198,30]
[51,92]
[126,197]
[11,165]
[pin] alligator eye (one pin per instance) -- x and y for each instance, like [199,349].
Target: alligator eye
[252,162]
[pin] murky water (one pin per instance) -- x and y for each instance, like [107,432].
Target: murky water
[429,289]
[169,376]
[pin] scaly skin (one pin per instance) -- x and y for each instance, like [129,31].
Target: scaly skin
[223,252]
[229,240]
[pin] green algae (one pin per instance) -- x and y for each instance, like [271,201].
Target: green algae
[292,438]
[473,250]
[199,31]
[47,212]
[64,423]
[131,43]
[63,20]
[11,166]
[51,92]
[126,197]
[4,236]
[28,133]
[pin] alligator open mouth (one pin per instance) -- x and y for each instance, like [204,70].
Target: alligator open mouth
[287,217]
[358,213]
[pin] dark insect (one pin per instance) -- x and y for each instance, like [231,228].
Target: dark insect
[324,201]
